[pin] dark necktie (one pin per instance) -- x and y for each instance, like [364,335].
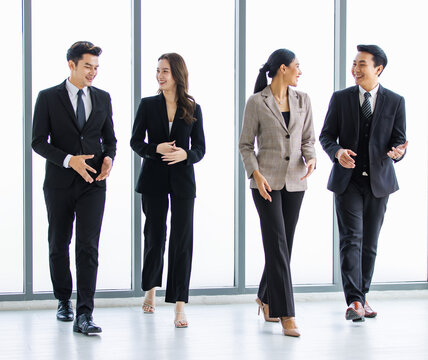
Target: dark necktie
[80,113]
[367,108]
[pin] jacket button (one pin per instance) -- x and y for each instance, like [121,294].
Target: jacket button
[81,138]
[287,136]
[287,158]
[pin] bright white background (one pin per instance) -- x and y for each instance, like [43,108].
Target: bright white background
[402,250]
[202,32]
[11,181]
[271,25]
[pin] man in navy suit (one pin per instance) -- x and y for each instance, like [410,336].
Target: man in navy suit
[73,130]
[364,133]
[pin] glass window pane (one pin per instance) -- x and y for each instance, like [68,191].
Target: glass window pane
[11,209]
[191,28]
[402,248]
[114,75]
[287,28]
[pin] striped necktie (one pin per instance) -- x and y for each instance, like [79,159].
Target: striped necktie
[367,108]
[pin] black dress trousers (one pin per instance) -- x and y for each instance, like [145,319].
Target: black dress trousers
[360,216]
[85,203]
[278,220]
[155,208]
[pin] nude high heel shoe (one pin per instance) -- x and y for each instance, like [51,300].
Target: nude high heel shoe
[289,332]
[183,323]
[265,310]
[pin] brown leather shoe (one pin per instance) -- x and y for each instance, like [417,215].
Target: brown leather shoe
[355,312]
[368,311]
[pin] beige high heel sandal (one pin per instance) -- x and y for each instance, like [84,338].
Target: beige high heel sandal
[181,323]
[265,310]
[148,308]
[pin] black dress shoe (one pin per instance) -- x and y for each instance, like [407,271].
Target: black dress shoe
[65,311]
[85,325]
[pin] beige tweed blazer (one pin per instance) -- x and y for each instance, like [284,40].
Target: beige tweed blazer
[281,152]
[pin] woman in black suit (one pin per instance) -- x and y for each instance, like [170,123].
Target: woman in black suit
[175,141]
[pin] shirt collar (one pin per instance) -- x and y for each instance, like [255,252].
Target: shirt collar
[373,92]
[74,89]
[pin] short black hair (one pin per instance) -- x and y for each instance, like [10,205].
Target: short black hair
[379,56]
[79,48]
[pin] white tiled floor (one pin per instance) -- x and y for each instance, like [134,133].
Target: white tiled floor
[227,331]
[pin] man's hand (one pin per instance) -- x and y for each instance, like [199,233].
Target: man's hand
[78,164]
[344,157]
[105,169]
[397,152]
[262,185]
[175,156]
[310,165]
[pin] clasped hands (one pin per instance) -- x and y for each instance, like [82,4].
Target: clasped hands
[171,153]
[344,156]
[263,186]
[78,164]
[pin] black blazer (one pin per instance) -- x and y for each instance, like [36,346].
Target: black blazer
[156,177]
[55,133]
[388,129]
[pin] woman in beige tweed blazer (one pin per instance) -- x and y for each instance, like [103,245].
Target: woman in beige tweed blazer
[280,118]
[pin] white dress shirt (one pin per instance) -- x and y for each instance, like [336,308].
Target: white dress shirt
[72,93]
[372,98]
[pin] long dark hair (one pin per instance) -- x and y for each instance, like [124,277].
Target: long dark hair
[276,59]
[180,74]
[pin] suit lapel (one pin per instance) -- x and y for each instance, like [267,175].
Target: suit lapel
[94,99]
[295,107]
[175,123]
[271,104]
[380,101]
[65,99]
[163,114]
[355,111]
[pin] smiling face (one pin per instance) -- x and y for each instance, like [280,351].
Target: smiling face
[164,76]
[365,72]
[84,72]
[292,72]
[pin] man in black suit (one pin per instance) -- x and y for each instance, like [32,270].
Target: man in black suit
[73,130]
[364,133]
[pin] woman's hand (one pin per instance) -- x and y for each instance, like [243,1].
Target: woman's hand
[262,185]
[175,156]
[310,165]
[165,148]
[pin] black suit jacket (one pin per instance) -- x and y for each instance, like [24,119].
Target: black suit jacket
[341,130]
[55,133]
[156,177]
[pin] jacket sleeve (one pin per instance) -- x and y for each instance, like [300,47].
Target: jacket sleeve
[197,139]
[249,132]
[398,136]
[330,131]
[138,144]
[108,136]
[42,131]
[308,133]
